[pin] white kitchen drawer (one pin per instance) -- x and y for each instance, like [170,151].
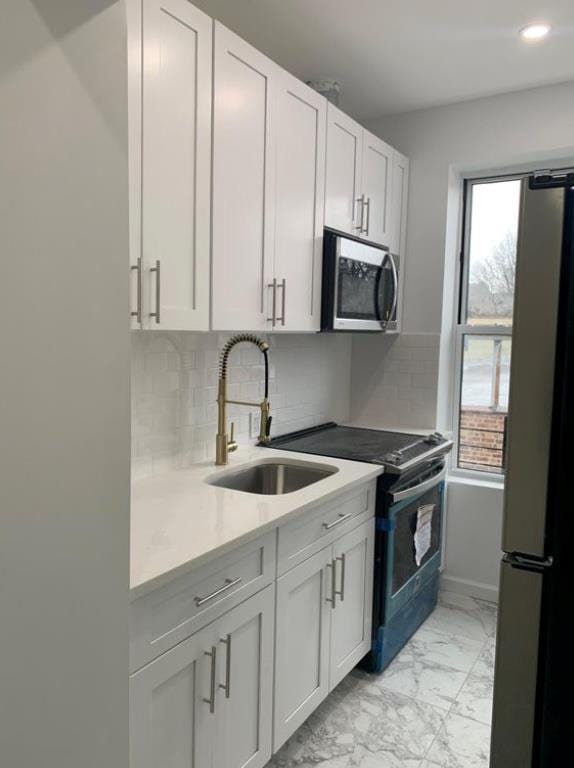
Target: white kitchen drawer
[310,532]
[165,617]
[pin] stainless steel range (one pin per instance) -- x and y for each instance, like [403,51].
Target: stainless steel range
[409,511]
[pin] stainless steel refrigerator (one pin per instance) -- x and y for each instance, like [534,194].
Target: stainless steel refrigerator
[533,721]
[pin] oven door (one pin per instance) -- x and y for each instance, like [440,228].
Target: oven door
[366,287]
[412,548]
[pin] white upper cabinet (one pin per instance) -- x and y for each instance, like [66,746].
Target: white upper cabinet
[343,175]
[299,205]
[399,200]
[376,188]
[175,164]
[358,180]
[235,168]
[268,193]
[243,181]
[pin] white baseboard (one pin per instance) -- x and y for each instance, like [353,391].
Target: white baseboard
[469,588]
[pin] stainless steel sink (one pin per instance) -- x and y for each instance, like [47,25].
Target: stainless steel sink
[273,478]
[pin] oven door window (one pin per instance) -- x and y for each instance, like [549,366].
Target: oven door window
[417,536]
[365,291]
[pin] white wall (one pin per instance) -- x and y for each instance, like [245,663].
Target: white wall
[520,130]
[174,391]
[64,386]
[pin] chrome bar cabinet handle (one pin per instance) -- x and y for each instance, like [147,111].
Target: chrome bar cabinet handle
[229,583]
[338,521]
[282,286]
[157,270]
[368,224]
[273,318]
[343,560]
[227,685]
[137,313]
[332,565]
[361,201]
[211,700]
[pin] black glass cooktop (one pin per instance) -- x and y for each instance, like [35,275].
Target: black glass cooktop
[370,445]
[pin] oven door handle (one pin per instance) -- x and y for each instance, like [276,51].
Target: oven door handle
[416,490]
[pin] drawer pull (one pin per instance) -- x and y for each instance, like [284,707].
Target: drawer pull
[338,521]
[229,583]
[211,700]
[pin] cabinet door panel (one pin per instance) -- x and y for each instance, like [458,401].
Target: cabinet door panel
[351,616]
[302,643]
[377,173]
[242,183]
[301,130]
[399,200]
[343,182]
[170,724]
[176,173]
[244,719]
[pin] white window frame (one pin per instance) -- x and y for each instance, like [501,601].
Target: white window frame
[462,328]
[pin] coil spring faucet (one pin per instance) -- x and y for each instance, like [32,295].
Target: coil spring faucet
[223,444]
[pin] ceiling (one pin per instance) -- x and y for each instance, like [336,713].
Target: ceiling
[397,55]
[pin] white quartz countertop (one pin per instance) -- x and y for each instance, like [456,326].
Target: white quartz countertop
[179,521]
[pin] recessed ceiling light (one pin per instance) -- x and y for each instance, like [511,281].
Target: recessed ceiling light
[534,32]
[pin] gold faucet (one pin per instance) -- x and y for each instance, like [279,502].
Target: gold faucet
[223,444]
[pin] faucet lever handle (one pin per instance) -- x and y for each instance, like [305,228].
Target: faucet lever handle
[232,445]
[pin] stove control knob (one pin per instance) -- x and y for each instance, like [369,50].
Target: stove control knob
[393,458]
[435,439]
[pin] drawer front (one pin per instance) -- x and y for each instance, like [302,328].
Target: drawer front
[310,532]
[168,615]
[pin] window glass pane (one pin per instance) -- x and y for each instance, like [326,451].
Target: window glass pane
[484,402]
[491,252]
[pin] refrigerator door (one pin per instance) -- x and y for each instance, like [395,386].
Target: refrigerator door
[532,370]
[516,668]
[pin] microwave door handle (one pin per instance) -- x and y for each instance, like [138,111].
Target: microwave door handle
[396,287]
[416,490]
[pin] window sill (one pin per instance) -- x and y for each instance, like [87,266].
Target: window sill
[478,479]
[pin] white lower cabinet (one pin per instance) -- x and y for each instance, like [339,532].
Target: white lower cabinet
[170,723]
[324,609]
[353,556]
[207,702]
[302,643]
[245,696]
[230,684]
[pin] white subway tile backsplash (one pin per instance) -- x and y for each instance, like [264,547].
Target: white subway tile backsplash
[394,380]
[174,388]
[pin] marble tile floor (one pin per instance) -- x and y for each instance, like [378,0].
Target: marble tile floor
[431,708]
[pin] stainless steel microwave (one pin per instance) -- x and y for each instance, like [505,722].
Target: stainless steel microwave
[360,285]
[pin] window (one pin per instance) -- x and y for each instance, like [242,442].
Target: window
[484,332]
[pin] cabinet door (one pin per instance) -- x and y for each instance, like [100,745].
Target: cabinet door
[343,191]
[243,183]
[176,172]
[302,643]
[352,610]
[399,200]
[171,725]
[377,174]
[245,683]
[299,205]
